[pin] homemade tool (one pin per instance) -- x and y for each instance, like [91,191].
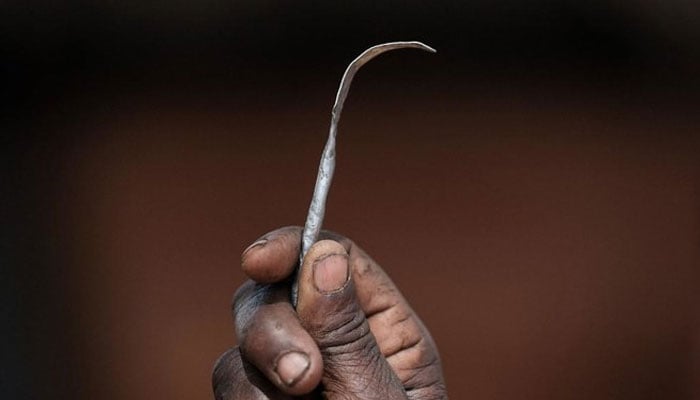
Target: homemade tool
[317,209]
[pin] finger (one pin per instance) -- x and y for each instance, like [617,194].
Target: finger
[235,378]
[330,311]
[273,257]
[272,339]
[401,336]
[376,292]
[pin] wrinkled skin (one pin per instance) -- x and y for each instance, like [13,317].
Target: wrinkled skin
[352,335]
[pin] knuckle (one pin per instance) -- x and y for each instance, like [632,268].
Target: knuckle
[241,294]
[245,305]
[419,368]
[363,265]
[227,370]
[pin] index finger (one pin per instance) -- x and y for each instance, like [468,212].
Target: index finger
[274,256]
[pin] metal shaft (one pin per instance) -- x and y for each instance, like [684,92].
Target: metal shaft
[317,209]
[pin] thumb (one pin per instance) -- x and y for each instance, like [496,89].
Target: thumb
[329,310]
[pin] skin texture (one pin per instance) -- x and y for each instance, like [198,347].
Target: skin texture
[352,335]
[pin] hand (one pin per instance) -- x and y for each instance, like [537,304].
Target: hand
[352,335]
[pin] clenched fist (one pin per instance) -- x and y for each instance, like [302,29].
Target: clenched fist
[352,335]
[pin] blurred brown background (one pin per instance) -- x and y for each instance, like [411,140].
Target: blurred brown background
[533,187]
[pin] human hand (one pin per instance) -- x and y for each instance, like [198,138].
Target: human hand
[352,335]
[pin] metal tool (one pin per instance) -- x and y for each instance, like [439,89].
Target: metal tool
[317,209]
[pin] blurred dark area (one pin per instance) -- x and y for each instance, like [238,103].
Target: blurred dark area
[533,188]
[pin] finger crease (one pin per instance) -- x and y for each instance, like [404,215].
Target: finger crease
[384,309]
[414,344]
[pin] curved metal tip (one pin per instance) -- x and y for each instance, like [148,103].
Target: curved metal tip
[361,60]
[408,44]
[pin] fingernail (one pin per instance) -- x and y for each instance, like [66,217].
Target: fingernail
[291,367]
[331,272]
[256,244]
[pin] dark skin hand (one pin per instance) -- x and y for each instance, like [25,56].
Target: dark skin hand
[352,335]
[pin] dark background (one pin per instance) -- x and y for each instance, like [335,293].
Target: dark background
[533,187]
